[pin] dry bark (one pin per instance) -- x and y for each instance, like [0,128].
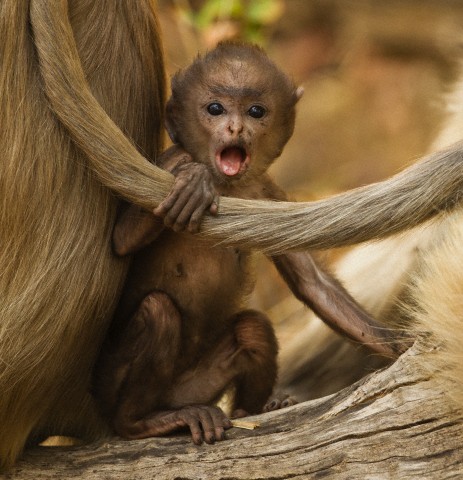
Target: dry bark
[395,423]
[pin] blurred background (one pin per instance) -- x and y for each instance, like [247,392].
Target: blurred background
[376,76]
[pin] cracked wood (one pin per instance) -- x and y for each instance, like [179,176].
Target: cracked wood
[395,423]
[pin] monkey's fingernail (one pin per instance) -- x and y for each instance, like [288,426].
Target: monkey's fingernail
[159,211]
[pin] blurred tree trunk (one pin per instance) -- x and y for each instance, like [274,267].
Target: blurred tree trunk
[395,423]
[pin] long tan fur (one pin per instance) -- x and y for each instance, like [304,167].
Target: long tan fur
[436,293]
[437,306]
[417,194]
[58,278]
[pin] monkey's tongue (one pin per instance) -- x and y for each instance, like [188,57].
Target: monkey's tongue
[231,160]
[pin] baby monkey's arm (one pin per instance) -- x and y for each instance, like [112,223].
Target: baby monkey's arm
[192,194]
[334,305]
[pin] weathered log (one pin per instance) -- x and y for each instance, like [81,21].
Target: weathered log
[395,423]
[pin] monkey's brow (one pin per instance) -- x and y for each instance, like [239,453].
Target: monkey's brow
[230,91]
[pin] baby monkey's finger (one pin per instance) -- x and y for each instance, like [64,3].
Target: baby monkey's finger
[163,208]
[214,206]
[174,217]
[183,217]
[198,214]
[179,193]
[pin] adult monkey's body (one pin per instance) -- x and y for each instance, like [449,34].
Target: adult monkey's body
[58,280]
[55,215]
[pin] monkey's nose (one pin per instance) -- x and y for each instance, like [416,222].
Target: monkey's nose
[235,128]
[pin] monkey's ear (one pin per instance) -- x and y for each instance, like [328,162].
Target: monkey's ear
[171,120]
[299,92]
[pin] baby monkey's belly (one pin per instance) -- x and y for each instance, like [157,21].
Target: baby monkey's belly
[207,284]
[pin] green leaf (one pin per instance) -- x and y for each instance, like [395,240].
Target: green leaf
[264,12]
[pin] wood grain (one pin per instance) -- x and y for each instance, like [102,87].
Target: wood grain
[395,423]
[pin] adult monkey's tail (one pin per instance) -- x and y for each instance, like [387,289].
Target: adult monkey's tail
[113,158]
[418,193]
[411,197]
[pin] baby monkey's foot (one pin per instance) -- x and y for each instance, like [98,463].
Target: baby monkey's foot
[206,423]
[278,401]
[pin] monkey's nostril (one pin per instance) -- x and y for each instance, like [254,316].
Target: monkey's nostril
[235,128]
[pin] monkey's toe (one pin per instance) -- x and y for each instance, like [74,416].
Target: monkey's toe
[279,401]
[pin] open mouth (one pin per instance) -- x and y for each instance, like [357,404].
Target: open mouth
[232,160]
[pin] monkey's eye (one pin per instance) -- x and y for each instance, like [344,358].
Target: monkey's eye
[215,109]
[256,111]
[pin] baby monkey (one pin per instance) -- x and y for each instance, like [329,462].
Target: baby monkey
[181,336]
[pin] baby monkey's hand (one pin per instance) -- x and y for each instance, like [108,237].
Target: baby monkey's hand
[192,194]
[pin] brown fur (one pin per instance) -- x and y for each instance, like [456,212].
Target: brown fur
[241,67]
[180,337]
[60,151]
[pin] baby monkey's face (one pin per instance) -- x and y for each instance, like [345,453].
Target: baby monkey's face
[234,114]
[236,126]
[240,128]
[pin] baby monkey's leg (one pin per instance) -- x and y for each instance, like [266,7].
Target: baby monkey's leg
[136,372]
[136,367]
[245,356]
[140,391]
[257,362]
